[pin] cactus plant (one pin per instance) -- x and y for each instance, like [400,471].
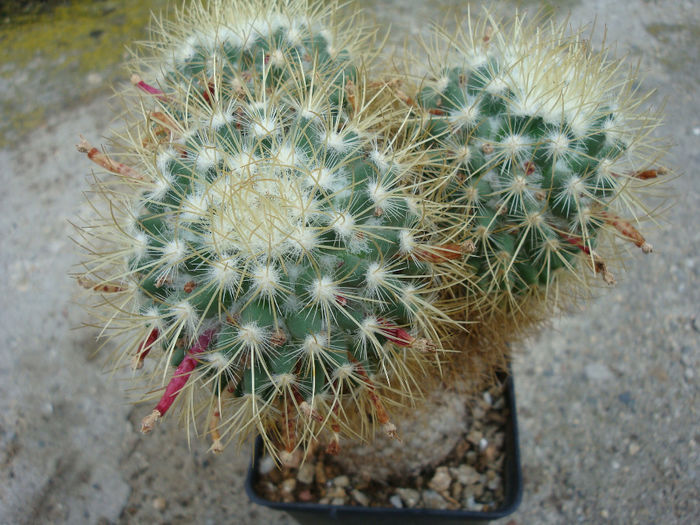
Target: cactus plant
[296,253]
[260,243]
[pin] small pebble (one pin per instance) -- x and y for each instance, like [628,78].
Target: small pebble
[159,504]
[441,480]
[395,501]
[266,465]
[467,475]
[337,492]
[483,443]
[288,485]
[471,504]
[433,500]
[410,497]
[633,449]
[360,497]
[141,461]
[306,473]
[341,481]
[338,501]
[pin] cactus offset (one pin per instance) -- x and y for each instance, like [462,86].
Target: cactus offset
[538,147]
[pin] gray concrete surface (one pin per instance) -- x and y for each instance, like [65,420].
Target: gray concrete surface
[608,397]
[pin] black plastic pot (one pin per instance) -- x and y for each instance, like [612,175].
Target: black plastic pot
[317,514]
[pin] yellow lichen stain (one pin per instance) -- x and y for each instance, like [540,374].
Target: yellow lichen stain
[55,58]
[19,122]
[93,34]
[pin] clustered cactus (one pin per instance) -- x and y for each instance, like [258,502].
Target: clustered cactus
[308,244]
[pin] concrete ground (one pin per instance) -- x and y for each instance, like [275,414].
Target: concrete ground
[608,397]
